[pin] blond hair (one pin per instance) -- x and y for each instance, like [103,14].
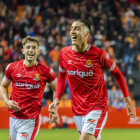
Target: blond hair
[29,38]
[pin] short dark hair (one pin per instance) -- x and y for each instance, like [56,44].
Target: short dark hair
[85,22]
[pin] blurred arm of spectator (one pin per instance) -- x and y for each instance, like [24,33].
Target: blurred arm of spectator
[3,9]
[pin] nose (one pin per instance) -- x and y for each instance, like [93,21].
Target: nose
[72,31]
[31,49]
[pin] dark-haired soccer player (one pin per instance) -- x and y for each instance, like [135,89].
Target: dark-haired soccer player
[83,64]
[28,79]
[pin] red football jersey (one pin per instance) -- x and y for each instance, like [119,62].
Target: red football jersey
[85,77]
[28,84]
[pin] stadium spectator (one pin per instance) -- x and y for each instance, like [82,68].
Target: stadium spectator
[51,19]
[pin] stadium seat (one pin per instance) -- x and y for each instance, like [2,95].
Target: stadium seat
[1,103]
[134,102]
[20,10]
[4,43]
[9,89]
[16,19]
[2,25]
[110,51]
[39,18]
[123,20]
[61,104]
[67,103]
[48,102]
[138,57]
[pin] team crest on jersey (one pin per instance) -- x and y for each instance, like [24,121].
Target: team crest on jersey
[89,63]
[37,78]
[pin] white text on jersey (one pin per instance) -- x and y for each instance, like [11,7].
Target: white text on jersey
[28,86]
[81,74]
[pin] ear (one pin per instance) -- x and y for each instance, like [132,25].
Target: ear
[87,34]
[39,51]
[23,51]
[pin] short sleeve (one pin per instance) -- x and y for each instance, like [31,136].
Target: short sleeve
[51,76]
[61,68]
[8,73]
[106,61]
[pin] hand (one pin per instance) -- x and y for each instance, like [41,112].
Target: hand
[53,107]
[131,111]
[53,117]
[12,105]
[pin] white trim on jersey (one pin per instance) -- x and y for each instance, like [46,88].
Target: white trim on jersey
[62,70]
[6,79]
[24,62]
[51,83]
[87,48]
[112,67]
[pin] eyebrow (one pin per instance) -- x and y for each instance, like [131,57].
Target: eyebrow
[31,45]
[75,26]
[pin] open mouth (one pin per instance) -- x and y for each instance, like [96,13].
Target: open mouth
[74,37]
[31,55]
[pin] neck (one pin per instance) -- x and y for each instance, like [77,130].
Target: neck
[81,48]
[30,63]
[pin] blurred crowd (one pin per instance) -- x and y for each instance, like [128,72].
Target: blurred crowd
[115,27]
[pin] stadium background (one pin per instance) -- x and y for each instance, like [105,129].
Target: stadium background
[115,27]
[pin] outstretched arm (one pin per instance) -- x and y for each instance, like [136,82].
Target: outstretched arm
[108,63]
[122,84]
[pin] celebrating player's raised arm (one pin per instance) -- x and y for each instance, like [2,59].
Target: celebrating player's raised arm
[12,105]
[113,69]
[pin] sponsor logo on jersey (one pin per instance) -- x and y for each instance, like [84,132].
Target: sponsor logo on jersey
[91,120]
[24,134]
[37,78]
[81,74]
[18,75]
[28,86]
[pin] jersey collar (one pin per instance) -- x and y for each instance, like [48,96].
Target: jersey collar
[24,62]
[85,50]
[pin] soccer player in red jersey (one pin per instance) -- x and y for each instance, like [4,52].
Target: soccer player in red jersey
[83,65]
[28,79]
